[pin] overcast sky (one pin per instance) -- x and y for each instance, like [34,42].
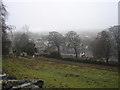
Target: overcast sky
[60,15]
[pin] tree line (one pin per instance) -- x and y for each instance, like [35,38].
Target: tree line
[105,43]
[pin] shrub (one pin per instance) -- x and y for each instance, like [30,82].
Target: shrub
[90,61]
[53,55]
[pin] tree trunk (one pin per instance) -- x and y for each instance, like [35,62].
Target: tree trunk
[58,50]
[76,52]
[107,60]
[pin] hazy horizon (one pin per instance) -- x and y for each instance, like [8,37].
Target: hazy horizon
[62,16]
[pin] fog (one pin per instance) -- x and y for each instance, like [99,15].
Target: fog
[62,16]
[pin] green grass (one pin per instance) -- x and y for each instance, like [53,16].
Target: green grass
[57,75]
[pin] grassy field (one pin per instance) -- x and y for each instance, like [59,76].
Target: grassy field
[57,75]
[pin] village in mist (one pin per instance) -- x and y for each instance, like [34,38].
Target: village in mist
[46,43]
[64,44]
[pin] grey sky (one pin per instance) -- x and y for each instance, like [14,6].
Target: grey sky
[60,16]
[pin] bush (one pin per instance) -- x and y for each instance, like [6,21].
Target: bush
[53,55]
[90,61]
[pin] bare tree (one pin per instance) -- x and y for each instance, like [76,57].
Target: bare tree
[101,46]
[116,33]
[6,43]
[56,40]
[73,41]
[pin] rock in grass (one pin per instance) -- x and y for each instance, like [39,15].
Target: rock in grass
[20,84]
[11,82]
[40,83]
[7,85]
[8,77]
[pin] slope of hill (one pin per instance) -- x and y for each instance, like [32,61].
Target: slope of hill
[60,75]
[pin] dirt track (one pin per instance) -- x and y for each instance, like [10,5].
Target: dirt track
[102,67]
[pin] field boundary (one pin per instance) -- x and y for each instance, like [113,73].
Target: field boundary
[101,67]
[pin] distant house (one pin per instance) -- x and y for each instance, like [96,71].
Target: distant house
[41,45]
[82,54]
[88,54]
[23,54]
[36,54]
